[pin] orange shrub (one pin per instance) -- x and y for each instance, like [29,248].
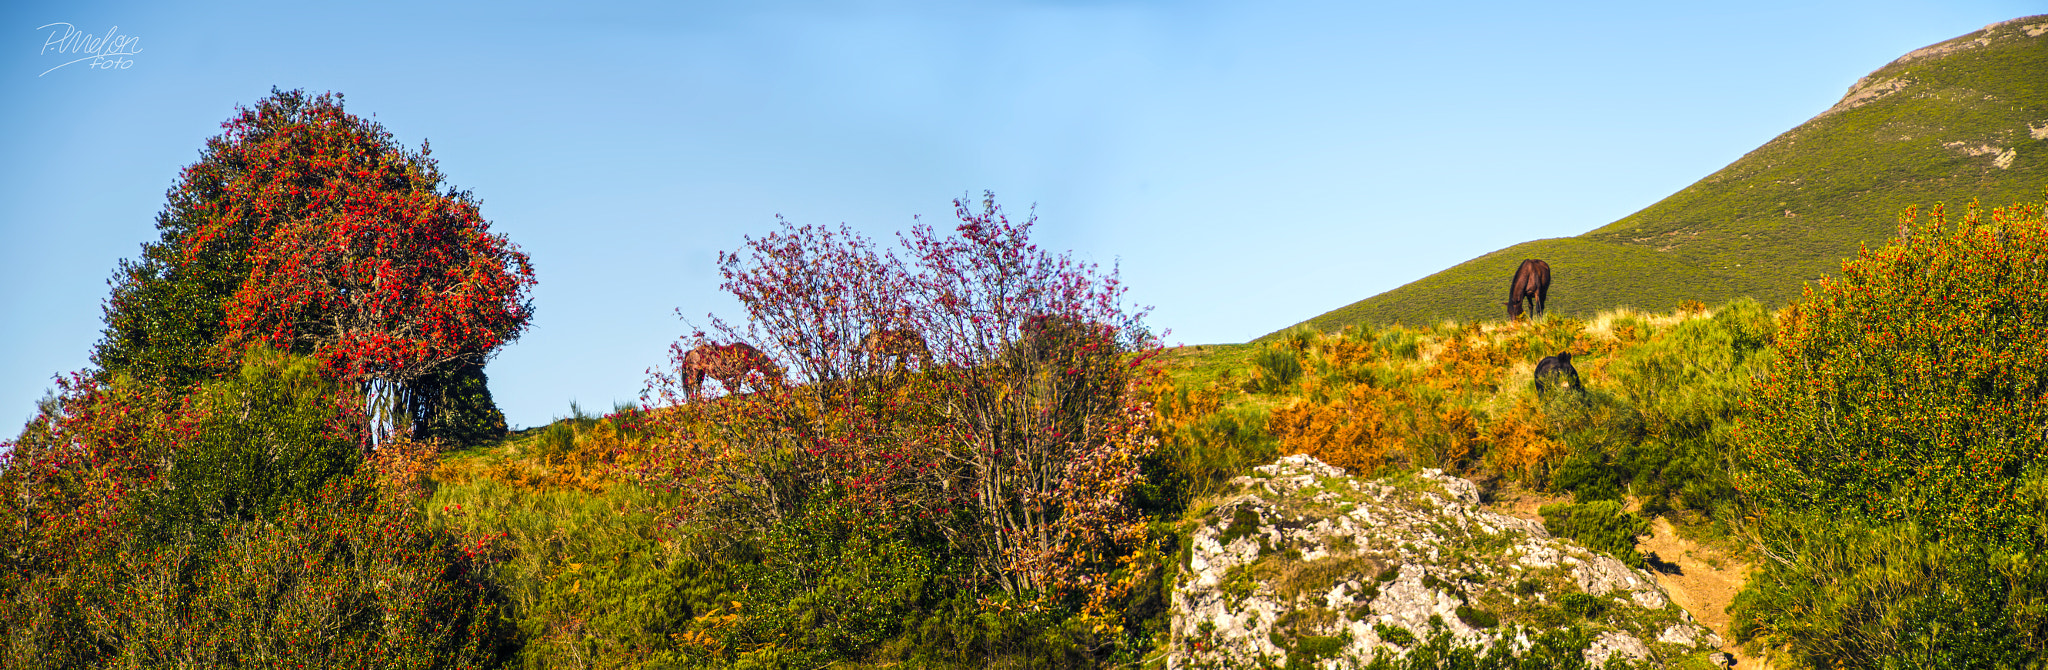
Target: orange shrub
[1520,445]
[1354,432]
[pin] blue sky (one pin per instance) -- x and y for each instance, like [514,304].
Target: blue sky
[1247,165]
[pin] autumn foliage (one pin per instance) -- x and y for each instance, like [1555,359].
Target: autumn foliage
[306,228]
[1007,448]
[223,491]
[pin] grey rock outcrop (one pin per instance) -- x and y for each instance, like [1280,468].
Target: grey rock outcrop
[1306,561]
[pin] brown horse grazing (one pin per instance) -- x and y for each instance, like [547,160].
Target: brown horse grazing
[1557,371]
[1531,282]
[731,364]
[898,348]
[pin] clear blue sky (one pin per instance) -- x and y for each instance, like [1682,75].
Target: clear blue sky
[1249,165]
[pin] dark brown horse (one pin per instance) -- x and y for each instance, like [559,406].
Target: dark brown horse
[1532,283]
[896,348]
[731,364]
[1557,371]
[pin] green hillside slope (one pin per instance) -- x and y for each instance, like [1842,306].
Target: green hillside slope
[1585,276]
[1964,118]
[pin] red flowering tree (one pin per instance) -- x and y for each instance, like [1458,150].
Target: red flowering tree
[812,296]
[308,228]
[1040,395]
[1022,426]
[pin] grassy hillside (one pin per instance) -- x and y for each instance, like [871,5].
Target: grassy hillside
[1968,116]
[1586,277]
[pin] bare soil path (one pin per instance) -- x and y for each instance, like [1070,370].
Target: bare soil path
[1705,582]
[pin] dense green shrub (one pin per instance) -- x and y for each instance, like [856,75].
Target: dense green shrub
[1583,605]
[1689,383]
[1598,430]
[1895,455]
[1275,367]
[1661,429]
[272,434]
[1843,593]
[339,579]
[1602,525]
[1277,364]
[837,579]
[236,527]
[454,406]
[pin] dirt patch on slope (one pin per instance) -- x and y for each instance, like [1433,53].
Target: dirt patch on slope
[1705,582]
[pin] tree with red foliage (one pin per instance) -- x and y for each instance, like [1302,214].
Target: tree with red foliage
[1041,396]
[1027,419]
[811,294]
[308,228]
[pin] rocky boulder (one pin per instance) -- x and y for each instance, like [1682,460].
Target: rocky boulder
[1304,566]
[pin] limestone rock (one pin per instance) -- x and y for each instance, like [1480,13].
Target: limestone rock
[1305,560]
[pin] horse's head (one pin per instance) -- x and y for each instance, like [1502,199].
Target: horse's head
[1514,309]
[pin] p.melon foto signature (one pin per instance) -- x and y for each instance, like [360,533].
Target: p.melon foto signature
[105,51]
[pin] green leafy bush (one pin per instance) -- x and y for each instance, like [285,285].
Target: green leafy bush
[1843,593]
[1477,618]
[1602,525]
[1915,387]
[1689,384]
[837,580]
[1582,605]
[1275,367]
[272,434]
[238,526]
[455,407]
[1598,428]
[1896,455]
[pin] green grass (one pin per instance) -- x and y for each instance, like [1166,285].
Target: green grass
[1846,175]
[1199,365]
[592,582]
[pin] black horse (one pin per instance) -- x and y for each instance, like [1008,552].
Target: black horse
[1557,371]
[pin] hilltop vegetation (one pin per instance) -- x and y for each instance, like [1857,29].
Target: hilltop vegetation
[1964,118]
[598,573]
[1869,552]
[277,462]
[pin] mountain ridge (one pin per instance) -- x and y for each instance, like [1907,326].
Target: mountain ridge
[1963,118]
